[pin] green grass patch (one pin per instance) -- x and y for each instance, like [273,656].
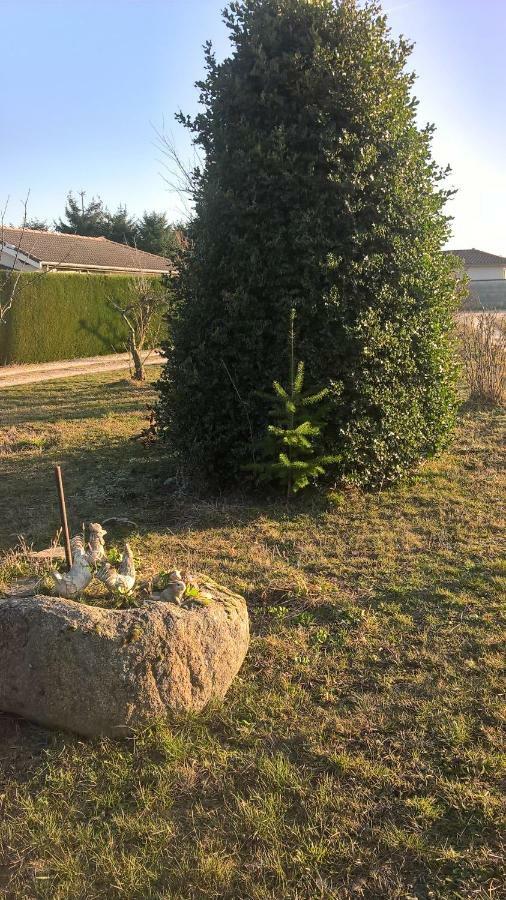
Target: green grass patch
[360,752]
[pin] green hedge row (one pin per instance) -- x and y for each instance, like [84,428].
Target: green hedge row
[60,315]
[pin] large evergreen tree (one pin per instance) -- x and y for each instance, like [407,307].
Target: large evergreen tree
[318,192]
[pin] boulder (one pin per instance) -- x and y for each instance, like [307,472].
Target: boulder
[101,671]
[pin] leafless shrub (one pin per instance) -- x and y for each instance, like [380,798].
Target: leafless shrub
[143,313]
[181,176]
[483,344]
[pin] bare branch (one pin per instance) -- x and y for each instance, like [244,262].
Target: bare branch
[180,177]
[6,306]
[20,249]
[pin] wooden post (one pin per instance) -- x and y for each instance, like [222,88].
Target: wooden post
[63,515]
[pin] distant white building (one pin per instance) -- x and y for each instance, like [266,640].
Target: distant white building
[482,266]
[487,278]
[13,258]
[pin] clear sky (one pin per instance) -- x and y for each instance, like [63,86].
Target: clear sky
[84,82]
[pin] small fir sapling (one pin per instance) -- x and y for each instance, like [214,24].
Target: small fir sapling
[290,447]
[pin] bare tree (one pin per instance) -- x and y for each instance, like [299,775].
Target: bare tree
[8,291]
[142,313]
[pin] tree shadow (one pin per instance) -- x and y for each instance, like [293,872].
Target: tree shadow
[23,746]
[113,340]
[117,478]
[442,594]
[53,402]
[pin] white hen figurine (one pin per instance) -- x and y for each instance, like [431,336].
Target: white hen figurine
[122,579]
[73,582]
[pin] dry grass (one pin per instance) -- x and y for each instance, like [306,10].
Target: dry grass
[483,343]
[360,752]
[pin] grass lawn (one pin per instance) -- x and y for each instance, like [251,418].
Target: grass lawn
[358,755]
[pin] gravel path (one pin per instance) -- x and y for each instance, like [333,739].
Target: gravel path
[10,376]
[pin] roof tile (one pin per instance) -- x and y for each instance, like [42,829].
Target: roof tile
[68,250]
[474,257]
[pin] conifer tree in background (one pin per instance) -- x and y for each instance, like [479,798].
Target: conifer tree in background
[35,224]
[152,232]
[318,191]
[121,227]
[88,219]
[156,235]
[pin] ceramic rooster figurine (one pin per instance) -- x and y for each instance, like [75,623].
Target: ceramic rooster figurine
[122,579]
[73,582]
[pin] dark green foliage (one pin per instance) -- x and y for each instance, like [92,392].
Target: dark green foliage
[152,232]
[121,227]
[65,316]
[35,224]
[90,220]
[156,235]
[318,192]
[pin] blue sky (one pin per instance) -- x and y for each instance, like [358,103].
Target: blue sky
[85,81]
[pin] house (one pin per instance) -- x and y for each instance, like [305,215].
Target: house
[13,258]
[487,278]
[48,251]
[482,266]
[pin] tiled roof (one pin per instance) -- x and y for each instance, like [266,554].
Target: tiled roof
[474,257]
[71,251]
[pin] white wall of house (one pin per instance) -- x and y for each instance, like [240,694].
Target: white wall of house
[486,273]
[11,258]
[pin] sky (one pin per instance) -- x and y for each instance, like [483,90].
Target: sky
[86,84]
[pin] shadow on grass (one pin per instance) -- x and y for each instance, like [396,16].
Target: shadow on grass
[443,593]
[120,477]
[117,479]
[23,746]
[52,401]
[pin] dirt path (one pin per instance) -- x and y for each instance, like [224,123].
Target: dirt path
[10,376]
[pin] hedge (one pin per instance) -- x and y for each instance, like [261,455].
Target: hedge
[64,316]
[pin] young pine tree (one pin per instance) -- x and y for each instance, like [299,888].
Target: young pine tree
[289,450]
[318,192]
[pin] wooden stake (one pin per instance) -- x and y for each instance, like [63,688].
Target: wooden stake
[63,515]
